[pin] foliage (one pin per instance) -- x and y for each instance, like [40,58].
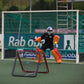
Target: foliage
[13,8]
[36,4]
[79,6]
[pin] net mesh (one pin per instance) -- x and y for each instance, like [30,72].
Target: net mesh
[18,26]
[39,20]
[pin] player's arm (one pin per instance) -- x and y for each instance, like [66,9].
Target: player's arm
[38,39]
[56,39]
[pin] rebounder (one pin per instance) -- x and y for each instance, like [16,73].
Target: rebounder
[25,66]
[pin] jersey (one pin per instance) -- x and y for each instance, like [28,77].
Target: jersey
[48,41]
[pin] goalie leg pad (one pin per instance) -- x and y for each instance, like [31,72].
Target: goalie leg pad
[38,55]
[56,55]
[56,50]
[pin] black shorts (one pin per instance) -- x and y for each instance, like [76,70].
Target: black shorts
[44,47]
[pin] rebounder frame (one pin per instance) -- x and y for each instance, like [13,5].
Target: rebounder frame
[33,73]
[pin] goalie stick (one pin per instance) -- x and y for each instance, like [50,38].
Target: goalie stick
[34,39]
[31,38]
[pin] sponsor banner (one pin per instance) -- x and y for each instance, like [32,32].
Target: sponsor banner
[66,31]
[69,42]
[29,55]
[43,30]
[55,31]
[68,54]
[33,55]
[24,41]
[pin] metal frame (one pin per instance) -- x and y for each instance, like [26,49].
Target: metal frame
[33,72]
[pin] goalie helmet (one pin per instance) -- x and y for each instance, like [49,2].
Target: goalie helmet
[49,30]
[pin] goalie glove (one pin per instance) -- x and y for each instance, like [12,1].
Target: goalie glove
[35,40]
[56,39]
[38,39]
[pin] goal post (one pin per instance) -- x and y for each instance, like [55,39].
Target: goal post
[2,54]
[17,27]
[77,29]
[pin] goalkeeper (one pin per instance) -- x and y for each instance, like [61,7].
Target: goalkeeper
[50,39]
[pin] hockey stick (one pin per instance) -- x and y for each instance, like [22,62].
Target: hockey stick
[31,38]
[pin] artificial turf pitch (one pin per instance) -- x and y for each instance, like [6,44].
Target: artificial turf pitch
[58,74]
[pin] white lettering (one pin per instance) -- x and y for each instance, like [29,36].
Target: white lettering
[16,42]
[11,41]
[30,43]
[22,42]
[36,44]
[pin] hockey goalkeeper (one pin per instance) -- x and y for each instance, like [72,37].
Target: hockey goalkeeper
[50,39]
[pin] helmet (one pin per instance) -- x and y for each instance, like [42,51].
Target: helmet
[49,29]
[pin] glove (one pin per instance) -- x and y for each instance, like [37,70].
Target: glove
[35,40]
[38,39]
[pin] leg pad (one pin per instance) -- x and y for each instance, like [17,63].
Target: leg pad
[56,55]
[38,55]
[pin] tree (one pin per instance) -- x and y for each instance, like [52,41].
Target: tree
[79,6]
[40,5]
[13,8]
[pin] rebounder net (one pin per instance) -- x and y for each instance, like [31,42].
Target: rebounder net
[25,66]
